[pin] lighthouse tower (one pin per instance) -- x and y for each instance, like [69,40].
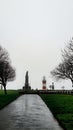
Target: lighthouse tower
[44,83]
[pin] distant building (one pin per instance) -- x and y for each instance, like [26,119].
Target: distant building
[26,87]
[52,85]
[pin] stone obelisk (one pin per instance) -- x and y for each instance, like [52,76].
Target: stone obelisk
[26,86]
[26,81]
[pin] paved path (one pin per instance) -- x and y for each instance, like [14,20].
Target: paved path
[28,112]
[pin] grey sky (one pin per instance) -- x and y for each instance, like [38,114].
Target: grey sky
[34,32]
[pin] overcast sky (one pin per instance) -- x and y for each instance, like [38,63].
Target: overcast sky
[34,32]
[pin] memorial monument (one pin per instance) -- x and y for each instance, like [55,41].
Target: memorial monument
[26,87]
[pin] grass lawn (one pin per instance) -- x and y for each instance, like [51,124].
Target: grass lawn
[61,107]
[6,99]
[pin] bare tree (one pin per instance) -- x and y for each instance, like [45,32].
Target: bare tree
[67,53]
[65,69]
[7,72]
[70,46]
[4,56]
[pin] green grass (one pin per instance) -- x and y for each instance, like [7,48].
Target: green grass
[6,99]
[61,107]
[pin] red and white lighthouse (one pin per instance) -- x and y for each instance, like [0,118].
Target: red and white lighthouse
[44,83]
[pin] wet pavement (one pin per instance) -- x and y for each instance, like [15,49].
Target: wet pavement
[28,112]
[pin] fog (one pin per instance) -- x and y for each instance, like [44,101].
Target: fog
[34,32]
